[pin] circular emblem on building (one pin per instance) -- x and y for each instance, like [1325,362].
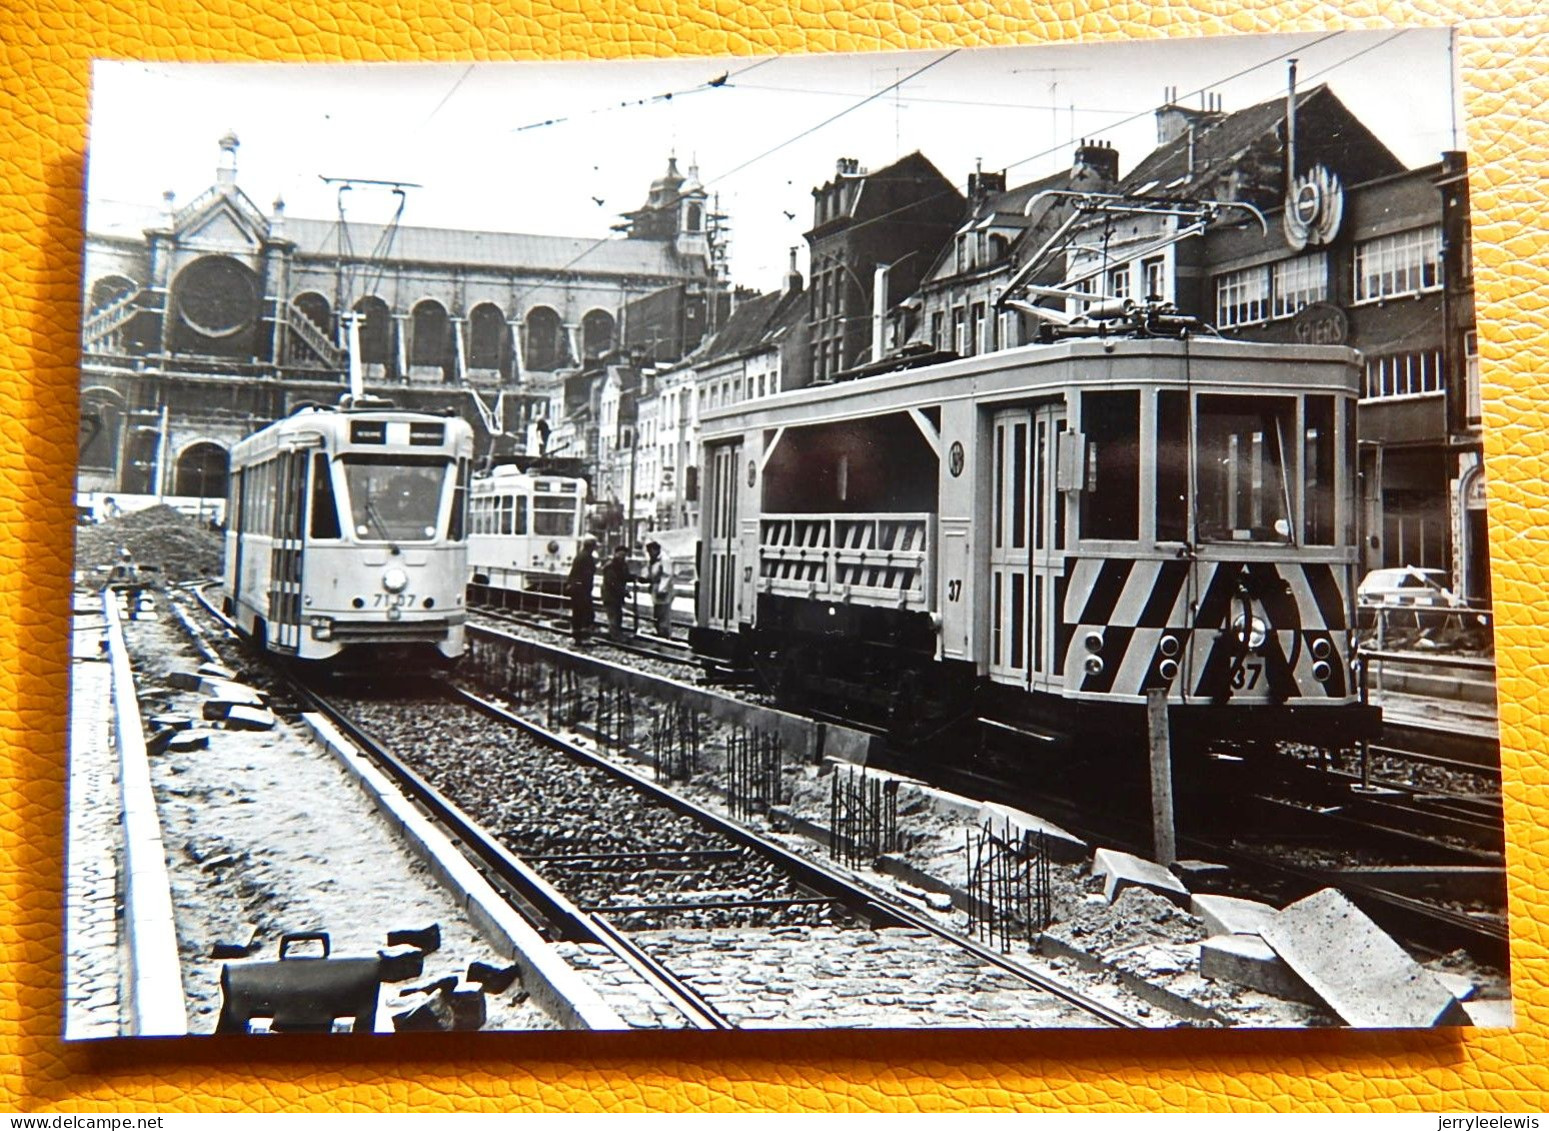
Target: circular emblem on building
[1313,208]
[1321,324]
[752,472]
[955,458]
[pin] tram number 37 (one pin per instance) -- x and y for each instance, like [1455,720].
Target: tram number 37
[1245,674]
[955,589]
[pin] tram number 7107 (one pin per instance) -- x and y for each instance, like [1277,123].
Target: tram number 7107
[1245,674]
[388,600]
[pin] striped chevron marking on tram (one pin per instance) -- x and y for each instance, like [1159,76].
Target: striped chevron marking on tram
[1146,612]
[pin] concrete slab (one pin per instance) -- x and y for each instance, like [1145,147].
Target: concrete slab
[241,717]
[1063,846]
[846,745]
[1228,915]
[1492,1014]
[233,692]
[219,671]
[1125,871]
[1356,968]
[1459,986]
[184,740]
[1247,960]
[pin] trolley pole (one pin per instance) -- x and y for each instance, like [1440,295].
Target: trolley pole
[1159,741]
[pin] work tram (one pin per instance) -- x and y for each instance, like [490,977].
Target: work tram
[523,530]
[347,530]
[1043,536]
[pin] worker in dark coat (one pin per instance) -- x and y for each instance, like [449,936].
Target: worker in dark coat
[615,587]
[578,585]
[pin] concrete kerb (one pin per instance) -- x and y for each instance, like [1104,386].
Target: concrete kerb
[157,1006]
[545,975]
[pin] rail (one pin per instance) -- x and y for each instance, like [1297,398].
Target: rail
[875,559]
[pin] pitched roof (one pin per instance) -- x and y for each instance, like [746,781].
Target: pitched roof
[493,249]
[1224,145]
[756,323]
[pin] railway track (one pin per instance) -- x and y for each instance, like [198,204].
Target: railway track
[670,906]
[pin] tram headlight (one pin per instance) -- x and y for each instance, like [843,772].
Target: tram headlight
[1321,649]
[395,580]
[1250,632]
[1093,642]
[1169,645]
[1321,671]
[1168,669]
[1094,665]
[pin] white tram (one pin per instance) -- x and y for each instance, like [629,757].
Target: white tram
[347,529]
[523,530]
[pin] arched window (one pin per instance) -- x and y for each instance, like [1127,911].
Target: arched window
[102,421]
[547,346]
[430,340]
[318,311]
[693,216]
[489,339]
[108,290]
[215,308]
[597,333]
[376,331]
[201,471]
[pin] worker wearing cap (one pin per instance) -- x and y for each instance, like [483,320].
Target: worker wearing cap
[658,579]
[583,572]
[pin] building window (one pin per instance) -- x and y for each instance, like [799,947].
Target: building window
[1471,368]
[1403,374]
[976,327]
[1402,264]
[1086,286]
[960,332]
[938,325]
[1155,272]
[1297,283]
[1118,282]
[1008,330]
[1242,297]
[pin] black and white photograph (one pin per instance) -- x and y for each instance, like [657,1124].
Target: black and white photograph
[956,539]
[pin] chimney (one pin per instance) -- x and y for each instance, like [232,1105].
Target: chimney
[793,280]
[982,185]
[1096,167]
[1290,129]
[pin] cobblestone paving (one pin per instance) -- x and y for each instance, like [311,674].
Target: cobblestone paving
[619,986]
[92,1000]
[804,977]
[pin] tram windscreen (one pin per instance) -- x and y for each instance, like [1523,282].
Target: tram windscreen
[1241,473]
[394,498]
[555,515]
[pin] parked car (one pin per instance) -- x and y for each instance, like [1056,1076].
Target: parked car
[1407,596]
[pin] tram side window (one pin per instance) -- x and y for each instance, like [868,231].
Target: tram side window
[1172,466]
[458,527]
[1241,474]
[507,510]
[1318,516]
[325,510]
[1110,505]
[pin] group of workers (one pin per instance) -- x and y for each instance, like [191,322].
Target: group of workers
[616,581]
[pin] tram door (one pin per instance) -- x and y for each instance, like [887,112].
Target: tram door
[285,554]
[718,588]
[1027,549]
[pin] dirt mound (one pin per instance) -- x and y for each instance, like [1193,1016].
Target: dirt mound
[185,548]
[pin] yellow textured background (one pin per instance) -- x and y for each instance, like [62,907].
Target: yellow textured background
[47,45]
